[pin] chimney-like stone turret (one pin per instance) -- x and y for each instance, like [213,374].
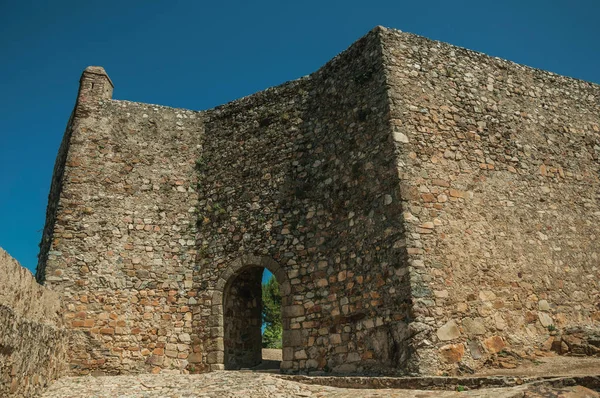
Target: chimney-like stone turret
[94,85]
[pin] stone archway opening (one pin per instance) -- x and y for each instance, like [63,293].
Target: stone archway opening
[236,310]
[242,321]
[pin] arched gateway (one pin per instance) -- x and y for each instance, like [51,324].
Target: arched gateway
[426,205]
[236,312]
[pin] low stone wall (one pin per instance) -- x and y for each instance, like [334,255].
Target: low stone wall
[33,345]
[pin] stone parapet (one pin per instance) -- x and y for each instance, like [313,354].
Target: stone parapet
[33,343]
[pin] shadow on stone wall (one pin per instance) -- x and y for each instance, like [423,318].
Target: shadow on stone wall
[348,181]
[305,174]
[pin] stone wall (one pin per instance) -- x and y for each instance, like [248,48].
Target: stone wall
[53,198]
[94,86]
[500,179]
[304,174]
[122,243]
[33,343]
[420,205]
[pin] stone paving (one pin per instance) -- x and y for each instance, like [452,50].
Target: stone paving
[229,384]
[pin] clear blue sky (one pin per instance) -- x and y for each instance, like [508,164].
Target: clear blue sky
[196,54]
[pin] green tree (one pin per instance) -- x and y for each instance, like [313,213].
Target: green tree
[271,314]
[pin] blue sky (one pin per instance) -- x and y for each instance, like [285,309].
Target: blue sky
[197,55]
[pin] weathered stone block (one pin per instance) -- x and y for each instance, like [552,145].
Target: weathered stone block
[292,311]
[473,327]
[494,344]
[448,332]
[545,319]
[293,338]
[452,353]
[195,357]
[215,357]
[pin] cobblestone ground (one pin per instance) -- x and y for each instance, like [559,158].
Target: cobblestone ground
[249,384]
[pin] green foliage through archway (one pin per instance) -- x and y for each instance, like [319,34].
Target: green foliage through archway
[271,314]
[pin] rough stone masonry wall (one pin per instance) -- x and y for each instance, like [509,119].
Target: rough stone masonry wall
[421,206]
[500,178]
[33,341]
[93,85]
[122,241]
[304,174]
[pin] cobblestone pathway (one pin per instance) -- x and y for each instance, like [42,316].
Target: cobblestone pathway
[247,384]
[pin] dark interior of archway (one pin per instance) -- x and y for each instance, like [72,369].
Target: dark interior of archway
[242,320]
